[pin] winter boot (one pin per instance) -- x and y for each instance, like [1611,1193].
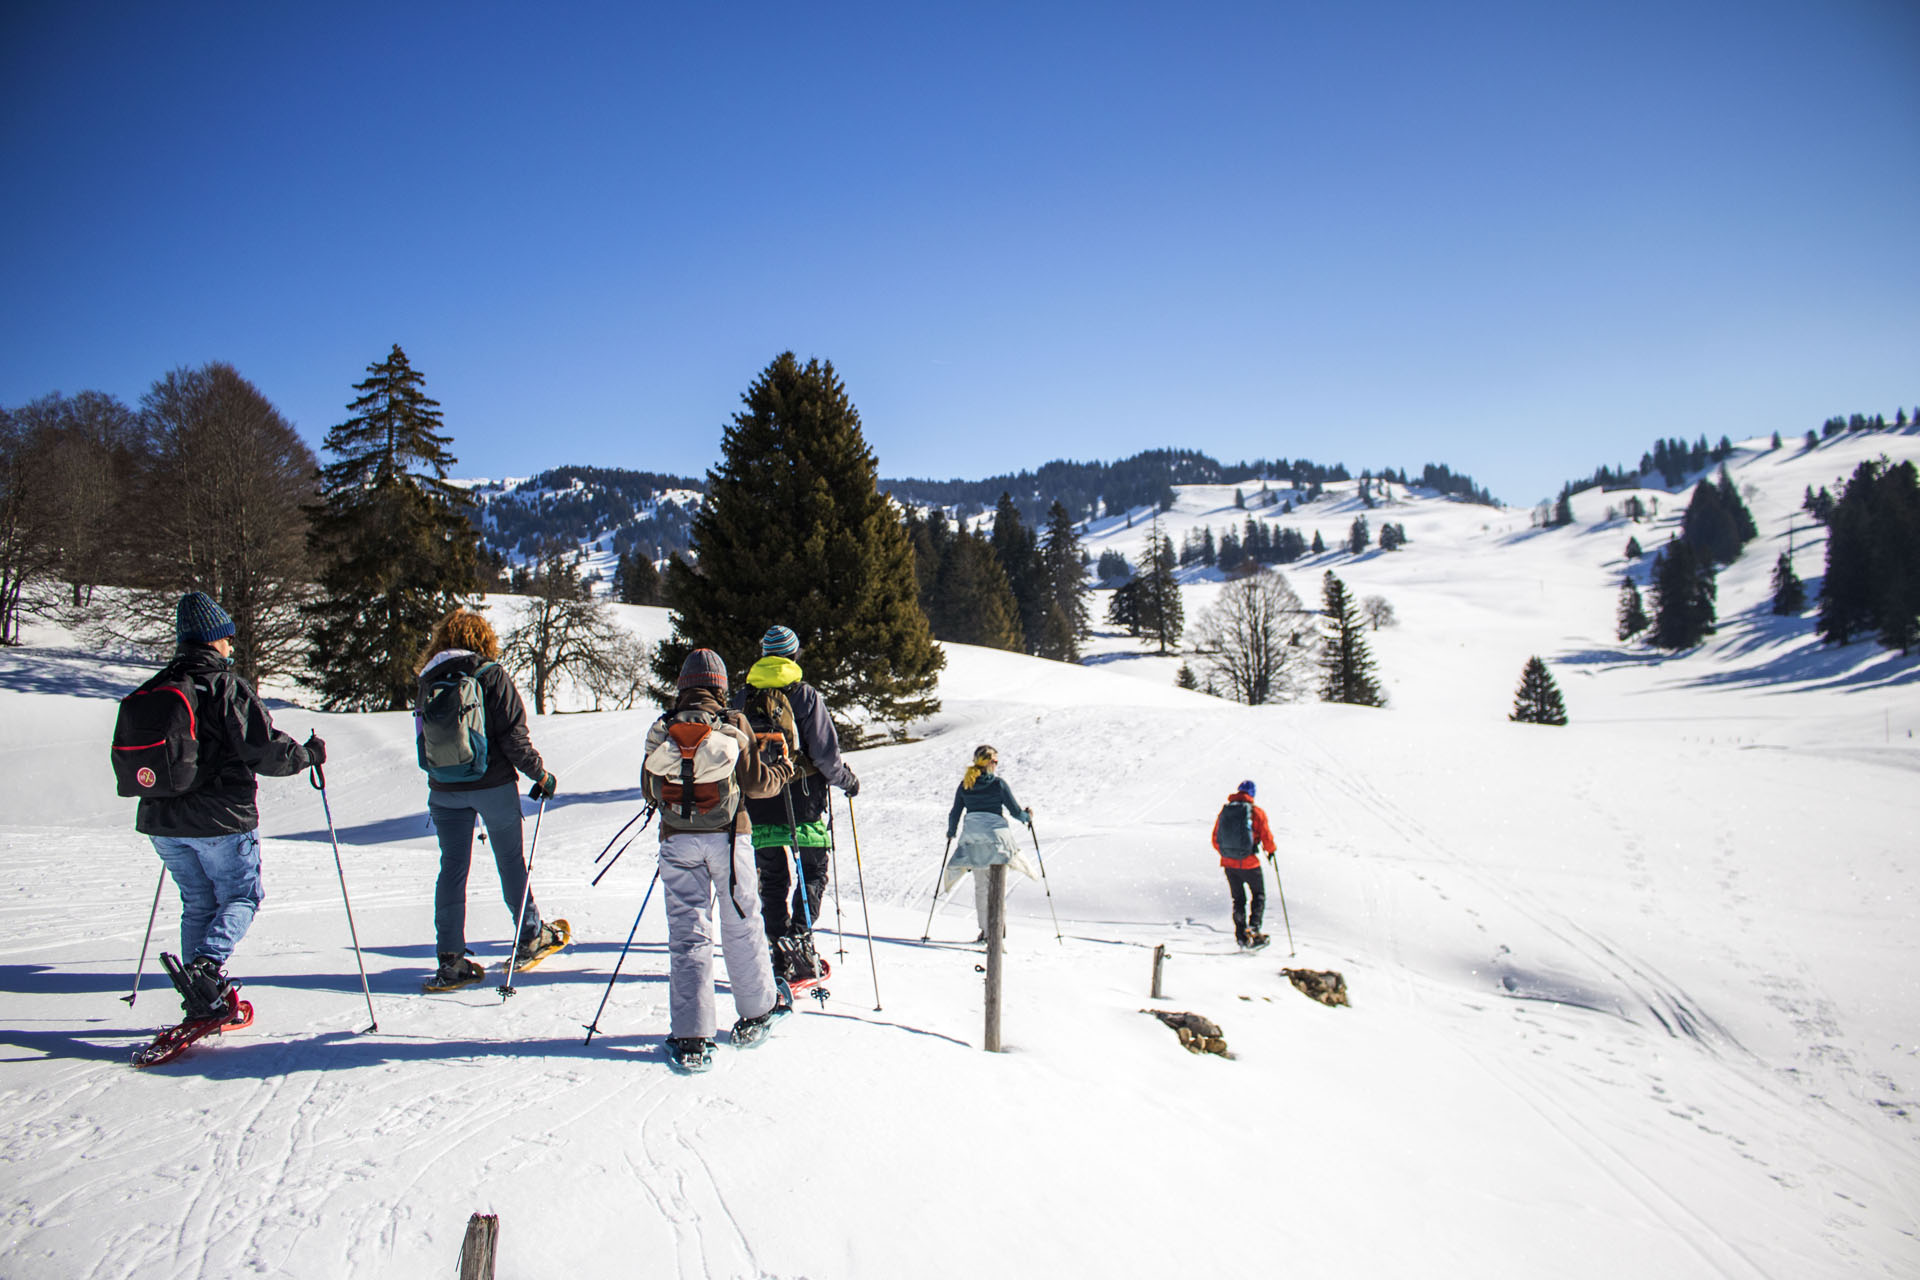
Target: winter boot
[689,1055]
[541,943]
[203,993]
[749,1032]
[455,971]
[1255,941]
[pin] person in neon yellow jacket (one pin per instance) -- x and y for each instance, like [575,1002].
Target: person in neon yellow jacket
[789,909]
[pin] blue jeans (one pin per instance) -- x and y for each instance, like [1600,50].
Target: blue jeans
[220,889]
[453,814]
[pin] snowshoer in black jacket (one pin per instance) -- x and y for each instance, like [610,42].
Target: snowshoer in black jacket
[209,838]
[464,643]
[795,818]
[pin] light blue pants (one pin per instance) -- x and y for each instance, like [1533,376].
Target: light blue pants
[220,889]
[704,873]
[453,814]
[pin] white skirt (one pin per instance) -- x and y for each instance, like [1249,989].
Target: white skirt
[986,840]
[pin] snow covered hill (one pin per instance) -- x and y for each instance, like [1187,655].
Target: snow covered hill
[1633,997]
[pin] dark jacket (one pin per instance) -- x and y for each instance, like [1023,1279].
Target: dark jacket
[509,745]
[819,743]
[237,740]
[757,777]
[989,794]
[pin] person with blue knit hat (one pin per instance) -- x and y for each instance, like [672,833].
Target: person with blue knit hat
[1239,833]
[208,835]
[778,701]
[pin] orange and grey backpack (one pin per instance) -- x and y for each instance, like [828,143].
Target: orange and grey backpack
[688,771]
[769,714]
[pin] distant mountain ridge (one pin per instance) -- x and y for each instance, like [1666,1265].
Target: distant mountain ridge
[613,510]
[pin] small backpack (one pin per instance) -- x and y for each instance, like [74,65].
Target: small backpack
[451,737]
[688,770]
[156,744]
[1236,829]
[769,714]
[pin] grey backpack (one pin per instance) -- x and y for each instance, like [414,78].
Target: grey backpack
[451,727]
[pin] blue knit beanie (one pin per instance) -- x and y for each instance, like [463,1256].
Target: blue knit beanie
[703,668]
[200,618]
[1246,788]
[779,642]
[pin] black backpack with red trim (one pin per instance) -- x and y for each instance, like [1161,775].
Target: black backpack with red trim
[156,744]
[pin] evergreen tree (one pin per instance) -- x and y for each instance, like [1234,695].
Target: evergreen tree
[1709,527]
[796,531]
[1631,616]
[395,542]
[637,581]
[1873,557]
[1123,610]
[1538,700]
[1563,508]
[1736,507]
[1789,593]
[1633,549]
[973,602]
[1358,536]
[1065,577]
[1346,666]
[1019,555]
[1185,679]
[1162,615]
[1112,568]
[1683,597]
[1319,544]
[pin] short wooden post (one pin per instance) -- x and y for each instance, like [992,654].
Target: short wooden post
[476,1251]
[996,908]
[1159,959]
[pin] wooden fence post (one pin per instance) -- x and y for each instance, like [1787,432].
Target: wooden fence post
[996,919]
[1159,958]
[476,1251]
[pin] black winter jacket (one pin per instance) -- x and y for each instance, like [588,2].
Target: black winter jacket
[237,740]
[820,744]
[509,744]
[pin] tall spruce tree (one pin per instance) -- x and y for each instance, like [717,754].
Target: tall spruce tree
[1538,700]
[972,601]
[1019,555]
[1346,666]
[1631,617]
[394,542]
[1064,571]
[1162,615]
[1683,596]
[796,531]
[1789,592]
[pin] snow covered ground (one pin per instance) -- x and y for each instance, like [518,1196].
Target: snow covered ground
[1634,997]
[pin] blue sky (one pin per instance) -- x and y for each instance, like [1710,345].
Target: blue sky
[1522,239]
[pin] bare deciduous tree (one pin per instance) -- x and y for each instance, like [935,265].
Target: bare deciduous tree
[620,679]
[221,509]
[562,631]
[1379,611]
[1256,639]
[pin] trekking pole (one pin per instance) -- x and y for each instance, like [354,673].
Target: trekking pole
[318,778]
[833,864]
[1282,890]
[595,1024]
[872,963]
[649,811]
[927,932]
[1043,879]
[645,809]
[526,895]
[152,915]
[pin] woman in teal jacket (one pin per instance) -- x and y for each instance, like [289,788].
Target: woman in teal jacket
[986,838]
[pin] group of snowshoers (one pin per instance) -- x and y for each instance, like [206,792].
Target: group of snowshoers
[739,784]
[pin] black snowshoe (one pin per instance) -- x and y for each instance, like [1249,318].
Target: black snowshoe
[796,963]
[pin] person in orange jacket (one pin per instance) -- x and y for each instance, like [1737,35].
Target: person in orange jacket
[1239,833]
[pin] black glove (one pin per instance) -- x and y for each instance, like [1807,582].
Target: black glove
[853,784]
[316,750]
[544,788]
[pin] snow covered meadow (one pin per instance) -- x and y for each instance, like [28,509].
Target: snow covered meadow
[1638,996]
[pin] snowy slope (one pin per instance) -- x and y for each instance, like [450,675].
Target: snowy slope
[1633,997]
